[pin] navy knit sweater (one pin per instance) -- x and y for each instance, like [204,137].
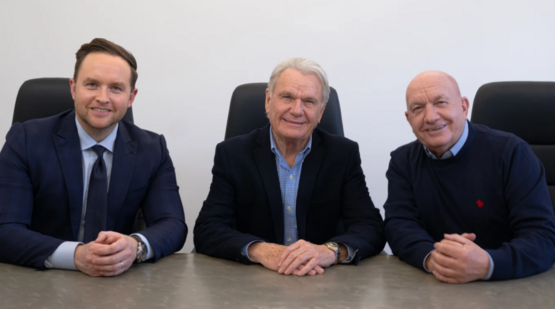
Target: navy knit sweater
[494,187]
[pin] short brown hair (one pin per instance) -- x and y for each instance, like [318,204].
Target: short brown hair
[99,45]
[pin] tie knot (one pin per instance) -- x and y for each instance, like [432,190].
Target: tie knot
[99,149]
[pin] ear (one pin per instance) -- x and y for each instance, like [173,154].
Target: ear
[132,97]
[407,116]
[465,106]
[72,87]
[267,104]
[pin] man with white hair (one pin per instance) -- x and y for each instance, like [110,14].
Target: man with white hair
[280,193]
[465,202]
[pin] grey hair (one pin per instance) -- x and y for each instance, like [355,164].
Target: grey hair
[304,66]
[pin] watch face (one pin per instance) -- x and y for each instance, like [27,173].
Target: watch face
[143,251]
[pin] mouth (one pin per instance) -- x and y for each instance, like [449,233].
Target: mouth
[436,128]
[293,122]
[102,110]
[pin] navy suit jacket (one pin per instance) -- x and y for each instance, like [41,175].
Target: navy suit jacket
[41,189]
[244,203]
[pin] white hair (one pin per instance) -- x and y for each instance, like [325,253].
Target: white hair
[306,67]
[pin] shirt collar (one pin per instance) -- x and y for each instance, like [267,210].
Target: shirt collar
[455,149]
[276,150]
[87,141]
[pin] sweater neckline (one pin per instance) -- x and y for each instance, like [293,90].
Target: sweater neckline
[462,152]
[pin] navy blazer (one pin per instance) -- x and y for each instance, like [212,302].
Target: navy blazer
[244,203]
[41,189]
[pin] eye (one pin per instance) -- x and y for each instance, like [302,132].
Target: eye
[417,109]
[90,85]
[116,88]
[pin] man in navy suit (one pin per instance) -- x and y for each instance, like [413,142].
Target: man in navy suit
[71,185]
[279,194]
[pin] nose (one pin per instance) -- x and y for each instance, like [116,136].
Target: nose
[102,95]
[431,114]
[297,108]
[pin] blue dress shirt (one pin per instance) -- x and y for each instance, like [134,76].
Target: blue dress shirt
[63,257]
[289,178]
[448,154]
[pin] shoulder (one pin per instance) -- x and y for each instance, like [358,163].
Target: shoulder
[407,152]
[332,141]
[497,141]
[246,142]
[37,132]
[42,126]
[143,137]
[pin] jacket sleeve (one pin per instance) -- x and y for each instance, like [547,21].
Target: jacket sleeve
[215,233]
[166,230]
[362,221]
[19,245]
[404,230]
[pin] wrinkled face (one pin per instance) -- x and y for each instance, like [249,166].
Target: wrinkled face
[436,111]
[295,106]
[102,93]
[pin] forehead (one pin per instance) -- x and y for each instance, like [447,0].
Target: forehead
[294,80]
[429,88]
[102,66]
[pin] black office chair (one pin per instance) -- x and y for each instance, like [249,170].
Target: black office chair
[45,97]
[247,111]
[526,109]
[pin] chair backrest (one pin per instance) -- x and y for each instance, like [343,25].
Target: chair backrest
[526,109]
[247,111]
[45,97]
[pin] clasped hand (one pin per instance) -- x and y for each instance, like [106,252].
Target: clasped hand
[301,258]
[457,259]
[109,255]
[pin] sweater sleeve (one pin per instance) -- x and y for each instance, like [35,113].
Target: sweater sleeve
[404,230]
[530,214]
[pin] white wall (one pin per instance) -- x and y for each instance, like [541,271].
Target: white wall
[192,54]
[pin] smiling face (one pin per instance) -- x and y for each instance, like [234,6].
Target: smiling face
[295,107]
[436,111]
[102,93]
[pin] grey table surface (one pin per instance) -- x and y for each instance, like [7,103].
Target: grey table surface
[199,281]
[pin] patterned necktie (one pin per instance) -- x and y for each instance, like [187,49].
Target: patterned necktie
[97,198]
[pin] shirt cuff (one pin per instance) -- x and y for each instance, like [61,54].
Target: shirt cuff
[352,252]
[64,256]
[149,253]
[424,262]
[245,249]
[490,271]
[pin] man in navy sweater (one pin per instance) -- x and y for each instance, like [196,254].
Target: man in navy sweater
[465,202]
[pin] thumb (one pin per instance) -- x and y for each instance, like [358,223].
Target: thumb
[469,236]
[101,237]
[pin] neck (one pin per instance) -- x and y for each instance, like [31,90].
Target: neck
[289,148]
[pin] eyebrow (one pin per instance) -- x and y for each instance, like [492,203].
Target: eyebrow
[92,80]
[89,80]
[437,98]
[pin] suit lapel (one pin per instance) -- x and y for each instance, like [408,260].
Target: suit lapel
[309,174]
[123,165]
[266,163]
[68,149]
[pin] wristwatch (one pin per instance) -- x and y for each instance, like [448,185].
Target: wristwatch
[335,247]
[141,249]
